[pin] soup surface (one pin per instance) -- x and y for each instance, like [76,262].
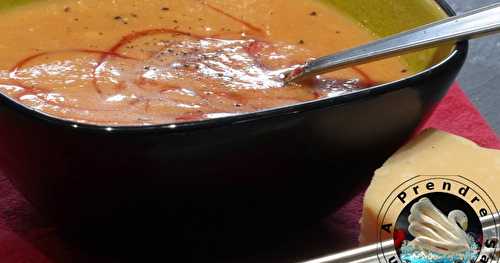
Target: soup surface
[131,62]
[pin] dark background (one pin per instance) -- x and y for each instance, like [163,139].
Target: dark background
[480,77]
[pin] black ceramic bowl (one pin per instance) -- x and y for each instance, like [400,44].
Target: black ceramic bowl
[217,178]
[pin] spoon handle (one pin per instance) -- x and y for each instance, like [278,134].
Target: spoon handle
[473,24]
[373,253]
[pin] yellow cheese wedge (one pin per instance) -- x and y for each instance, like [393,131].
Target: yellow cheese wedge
[432,153]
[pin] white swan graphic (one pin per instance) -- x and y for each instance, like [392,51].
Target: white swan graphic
[434,231]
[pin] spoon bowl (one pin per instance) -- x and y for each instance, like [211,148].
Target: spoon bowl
[473,24]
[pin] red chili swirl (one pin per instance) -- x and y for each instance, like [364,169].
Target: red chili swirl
[253,50]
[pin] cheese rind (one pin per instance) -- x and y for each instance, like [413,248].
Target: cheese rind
[431,153]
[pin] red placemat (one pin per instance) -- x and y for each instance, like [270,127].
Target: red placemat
[26,237]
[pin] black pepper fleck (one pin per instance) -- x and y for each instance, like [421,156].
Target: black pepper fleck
[165,9]
[313,13]
[117,18]
[301,42]
[67,9]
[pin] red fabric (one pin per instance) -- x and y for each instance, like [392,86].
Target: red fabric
[25,237]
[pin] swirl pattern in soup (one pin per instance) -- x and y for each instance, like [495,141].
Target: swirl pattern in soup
[128,62]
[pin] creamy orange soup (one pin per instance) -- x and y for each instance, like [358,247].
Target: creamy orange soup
[128,62]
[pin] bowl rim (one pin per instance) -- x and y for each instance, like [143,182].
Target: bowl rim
[460,50]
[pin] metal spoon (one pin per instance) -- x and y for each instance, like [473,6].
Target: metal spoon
[372,253]
[473,24]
